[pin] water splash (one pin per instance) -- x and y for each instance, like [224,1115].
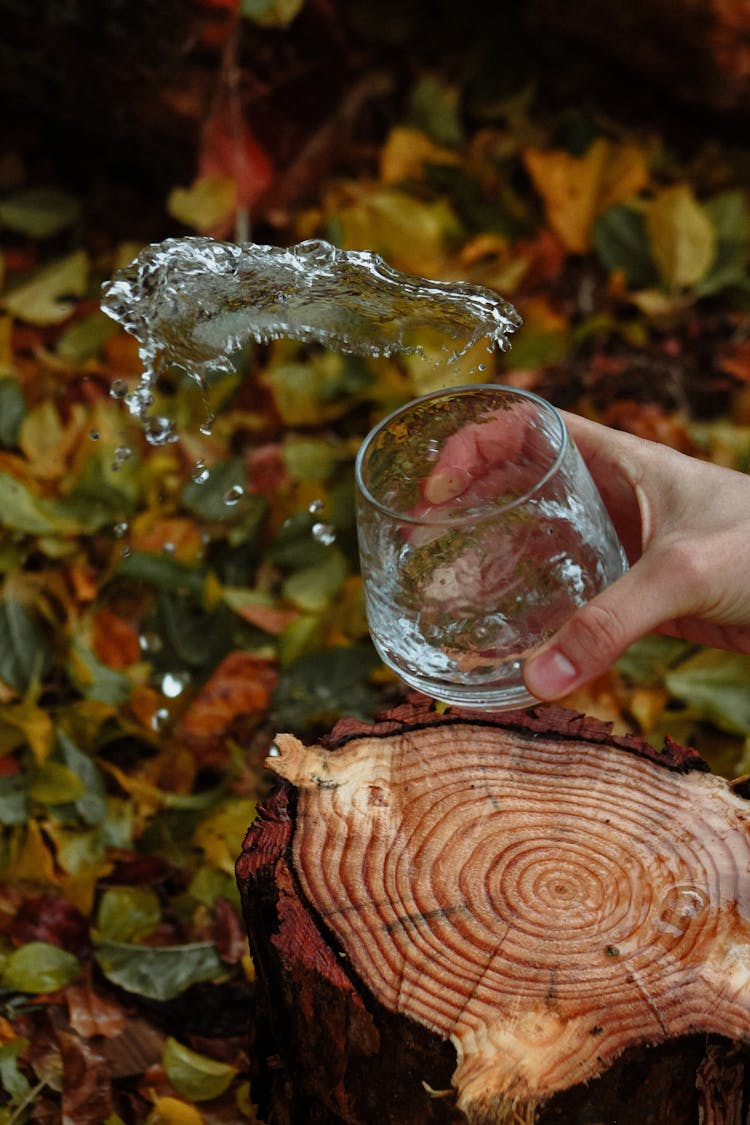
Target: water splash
[194,301]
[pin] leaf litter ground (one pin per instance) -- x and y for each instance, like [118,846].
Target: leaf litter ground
[166,609]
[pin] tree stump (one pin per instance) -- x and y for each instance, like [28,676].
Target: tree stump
[468,917]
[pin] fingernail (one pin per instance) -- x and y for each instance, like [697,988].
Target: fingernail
[550,674]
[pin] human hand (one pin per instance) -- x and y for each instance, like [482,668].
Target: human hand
[685,526]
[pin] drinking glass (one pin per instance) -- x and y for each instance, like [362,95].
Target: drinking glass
[480,532]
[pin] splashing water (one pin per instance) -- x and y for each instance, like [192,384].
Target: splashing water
[194,301]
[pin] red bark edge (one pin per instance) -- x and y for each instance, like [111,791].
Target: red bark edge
[419,712]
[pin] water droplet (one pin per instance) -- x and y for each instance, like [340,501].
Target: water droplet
[234,494]
[160,431]
[325,533]
[159,719]
[481,367]
[95,434]
[118,388]
[168,548]
[126,551]
[200,473]
[123,453]
[315,251]
[173,684]
[150,642]
[121,529]
[274,751]
[207,425]
[316,506]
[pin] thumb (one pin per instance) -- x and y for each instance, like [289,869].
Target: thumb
[599,632]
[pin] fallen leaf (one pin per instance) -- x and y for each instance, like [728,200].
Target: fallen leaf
[48,297]
[241,685]
[575,189]
[681,235]
[91,1013]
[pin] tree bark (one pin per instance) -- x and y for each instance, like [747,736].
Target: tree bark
[336,1046]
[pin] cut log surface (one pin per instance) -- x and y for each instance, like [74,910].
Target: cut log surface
[537,891]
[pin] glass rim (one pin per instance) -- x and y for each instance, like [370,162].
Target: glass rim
[481,513]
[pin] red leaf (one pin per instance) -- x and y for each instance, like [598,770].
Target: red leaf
[231,940]
[230,149]
[51,919]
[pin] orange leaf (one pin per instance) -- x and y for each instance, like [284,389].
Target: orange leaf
[114,640]
[576,189]
[175,534]
[241,685]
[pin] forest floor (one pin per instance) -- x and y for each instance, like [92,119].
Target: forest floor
[157,630]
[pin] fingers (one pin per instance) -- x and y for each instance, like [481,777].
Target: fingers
[598,633]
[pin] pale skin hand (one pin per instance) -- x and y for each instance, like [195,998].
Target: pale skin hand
[685,526]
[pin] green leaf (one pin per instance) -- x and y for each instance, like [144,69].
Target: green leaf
[14,805]
[731,220]
[271,13]
[681,235]
[49,295]
[621,241]
[12,412]
[162,573]
[22,510]
[127,914]
[92,804]
[157,972]
[221,496]
[39,212]
[11,1079]
[715,685]
[96,680]
[24,648]
[53,783]
[39,967]
[649,659]
[314,588]
[86,337]
[434,107]
[197,1077]
[313,459]
[322,686]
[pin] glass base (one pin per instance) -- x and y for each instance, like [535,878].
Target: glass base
[476,697]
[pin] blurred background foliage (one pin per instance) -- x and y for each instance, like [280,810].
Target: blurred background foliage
[165,610]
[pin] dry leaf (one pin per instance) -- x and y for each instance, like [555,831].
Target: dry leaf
[576,189]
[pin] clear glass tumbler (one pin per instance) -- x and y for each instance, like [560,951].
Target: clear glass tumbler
[480,532]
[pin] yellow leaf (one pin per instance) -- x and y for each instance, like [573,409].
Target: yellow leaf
[219,833]
[411,234]
[48,295]
[682,237]
[34,723]
[30,860]
[205,204]
[405,153]
[41,441]
[576,189]
[172,1111]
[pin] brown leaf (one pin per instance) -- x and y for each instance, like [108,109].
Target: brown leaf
[87,1082]
[241,685]
[91,1013]
[231,939]
[114,640]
